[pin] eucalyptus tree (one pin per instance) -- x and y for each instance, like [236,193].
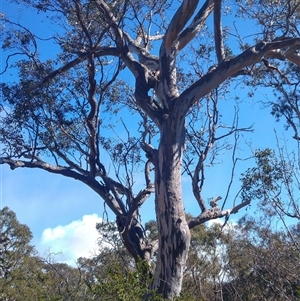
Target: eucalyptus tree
[14,242]
[165,65]
[262,263]
[24,275]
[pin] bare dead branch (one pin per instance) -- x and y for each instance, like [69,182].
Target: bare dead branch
[212,116]
[214,214]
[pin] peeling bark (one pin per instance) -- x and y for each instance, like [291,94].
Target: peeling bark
[174,233]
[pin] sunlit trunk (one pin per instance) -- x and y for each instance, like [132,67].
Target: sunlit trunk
[173,231]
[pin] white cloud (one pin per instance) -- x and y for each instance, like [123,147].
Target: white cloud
[74,240]
[216,221]
[229,226]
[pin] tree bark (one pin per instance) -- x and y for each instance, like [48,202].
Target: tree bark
[173,230]
[132,234]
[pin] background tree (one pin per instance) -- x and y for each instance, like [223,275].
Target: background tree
[56,115]
[249,261]
[262,264]
[26,276]
[274,183]
[14,242]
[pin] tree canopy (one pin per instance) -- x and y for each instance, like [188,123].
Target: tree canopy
[165,69]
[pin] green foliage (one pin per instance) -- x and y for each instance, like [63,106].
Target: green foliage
[254,176]
[259,181]
[24,276]
[14,242]
[133,285]
[117,286]
[248,261]
[263,263]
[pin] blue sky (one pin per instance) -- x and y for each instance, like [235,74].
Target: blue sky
[54,204]
[62,212]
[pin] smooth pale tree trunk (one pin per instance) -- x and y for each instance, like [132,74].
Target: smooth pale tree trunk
[173,230]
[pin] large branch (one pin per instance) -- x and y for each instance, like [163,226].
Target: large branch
[143,80]
[228,69]
[140,198]
[218,32]
[120,39]
[189,33]
[116,207]
[178,22]
[145,58]
[293,56]
[167,89]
